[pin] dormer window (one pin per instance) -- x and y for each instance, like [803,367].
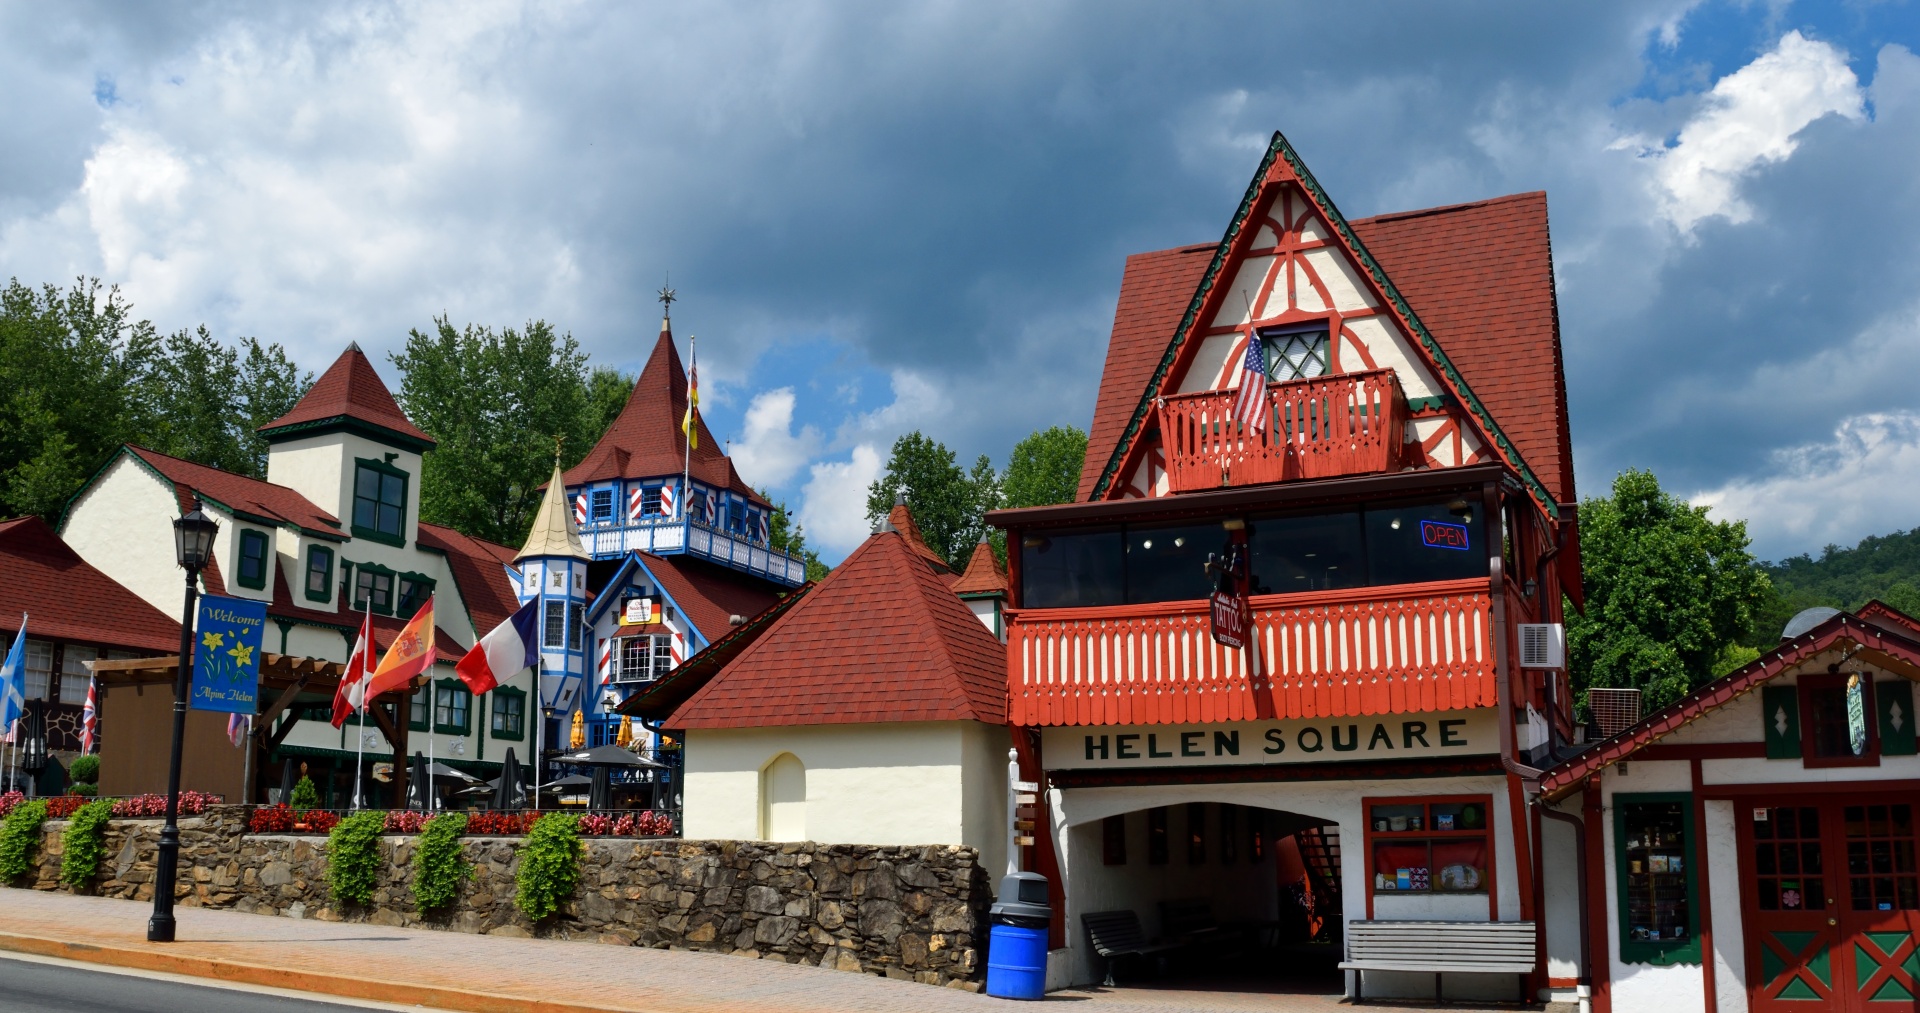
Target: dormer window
[1297,355]
[379,502]
[319,573]
[253,559]
[602,504]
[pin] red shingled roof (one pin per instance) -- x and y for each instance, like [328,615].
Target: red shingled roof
[645,440]
[1479,275]
[478,567]
[262,500]
[350,389]
[710,595]
[881,639]
[902,520]
[65,598]
[984,574]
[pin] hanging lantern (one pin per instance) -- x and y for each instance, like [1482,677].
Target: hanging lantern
[578,740]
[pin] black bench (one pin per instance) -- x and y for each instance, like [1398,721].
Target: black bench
[1117,934]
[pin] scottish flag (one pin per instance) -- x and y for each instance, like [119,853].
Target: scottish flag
[13,681]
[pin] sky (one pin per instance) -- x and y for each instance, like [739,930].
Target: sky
[886,217]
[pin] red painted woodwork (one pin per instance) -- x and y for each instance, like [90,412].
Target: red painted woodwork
[1346,424]
[1373,650]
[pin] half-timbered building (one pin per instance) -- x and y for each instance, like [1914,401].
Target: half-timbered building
[1374,536]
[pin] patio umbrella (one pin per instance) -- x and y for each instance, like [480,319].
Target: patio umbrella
[419,783]
[606,756]
[624,737]
[504,791]
[286,782]
[441,771]
[600,794]
[579,736]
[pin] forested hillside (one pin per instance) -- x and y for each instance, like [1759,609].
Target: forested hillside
[1886,567]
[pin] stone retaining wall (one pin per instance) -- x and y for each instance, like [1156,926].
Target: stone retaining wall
[905,912]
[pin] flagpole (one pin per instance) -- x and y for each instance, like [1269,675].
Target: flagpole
[686,438]
[360,737]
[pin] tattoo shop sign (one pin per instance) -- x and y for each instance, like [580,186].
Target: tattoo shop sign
[1263,743]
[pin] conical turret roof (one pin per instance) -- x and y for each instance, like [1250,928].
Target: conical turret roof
[350,391]
[645,440]
[554,533]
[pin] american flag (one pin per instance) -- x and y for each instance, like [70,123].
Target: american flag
[89,721]
[1250,407]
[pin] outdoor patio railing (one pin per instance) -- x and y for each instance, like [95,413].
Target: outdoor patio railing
[1347,424]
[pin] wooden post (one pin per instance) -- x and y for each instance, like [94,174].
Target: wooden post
[402,717]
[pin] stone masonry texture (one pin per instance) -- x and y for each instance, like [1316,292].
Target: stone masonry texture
[917,913]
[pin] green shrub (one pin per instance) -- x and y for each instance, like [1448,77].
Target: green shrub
[84,845]
[20,838]
[549,865]
[84,789]
[353,856]
[85,770]
[305,795]
[439,863]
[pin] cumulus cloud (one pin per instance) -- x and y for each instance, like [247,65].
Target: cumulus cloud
[1862,481]
[834,502]
[771,452]
[1750,119]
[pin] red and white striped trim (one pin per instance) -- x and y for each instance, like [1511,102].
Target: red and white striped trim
[636,504]
[580,508]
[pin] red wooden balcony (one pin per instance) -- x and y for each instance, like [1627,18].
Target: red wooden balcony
[1371,650]
[1349,424]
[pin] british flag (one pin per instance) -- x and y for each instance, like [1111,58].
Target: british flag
[89,721]
[1250,407]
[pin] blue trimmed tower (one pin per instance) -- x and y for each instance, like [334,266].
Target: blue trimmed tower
[553,568]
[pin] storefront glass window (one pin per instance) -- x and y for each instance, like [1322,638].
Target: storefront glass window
[1413,543]
[1430,845]
[1169,563]
[1308,553]
[1653,846]
[1065,569]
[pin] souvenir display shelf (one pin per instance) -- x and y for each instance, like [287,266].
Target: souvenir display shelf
[1429,845]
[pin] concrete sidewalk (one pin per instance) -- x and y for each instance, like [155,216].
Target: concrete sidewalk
[492,974]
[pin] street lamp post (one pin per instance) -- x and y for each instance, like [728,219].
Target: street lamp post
[193,547]
[33,754]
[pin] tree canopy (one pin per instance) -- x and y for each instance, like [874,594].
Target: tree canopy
[950,504]
[1044,468]
[784,534]
[495,401]
[1669,592]
[79,376]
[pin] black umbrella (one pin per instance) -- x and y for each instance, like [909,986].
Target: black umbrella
[505,790]
[600,794]
[286,782]
[605,756]
[419,784]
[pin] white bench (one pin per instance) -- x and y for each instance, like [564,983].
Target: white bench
[1440,948]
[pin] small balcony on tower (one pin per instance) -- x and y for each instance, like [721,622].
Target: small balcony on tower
[1324,427]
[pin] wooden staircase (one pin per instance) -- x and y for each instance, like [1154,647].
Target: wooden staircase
[1320,851]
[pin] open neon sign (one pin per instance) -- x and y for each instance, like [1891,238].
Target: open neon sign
[1443,535]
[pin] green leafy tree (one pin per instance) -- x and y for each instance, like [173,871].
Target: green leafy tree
[85,770]
[495,400]
[784,533]
[947,501]
[305,795]
[1044,468]
[1668,592]
[205,399]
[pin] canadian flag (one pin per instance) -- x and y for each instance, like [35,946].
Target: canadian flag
[351,696]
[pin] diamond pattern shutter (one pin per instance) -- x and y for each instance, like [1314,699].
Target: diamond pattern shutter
[1780,713]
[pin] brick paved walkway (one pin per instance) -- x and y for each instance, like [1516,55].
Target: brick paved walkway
[491,973]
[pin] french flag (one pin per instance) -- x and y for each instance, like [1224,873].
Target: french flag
[504,653]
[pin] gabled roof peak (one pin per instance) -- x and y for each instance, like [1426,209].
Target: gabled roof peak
[349,394]
[984,576]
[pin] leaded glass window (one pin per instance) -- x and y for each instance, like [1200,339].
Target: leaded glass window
[1298,356]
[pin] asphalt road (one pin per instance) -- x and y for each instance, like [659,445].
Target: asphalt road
[33,987]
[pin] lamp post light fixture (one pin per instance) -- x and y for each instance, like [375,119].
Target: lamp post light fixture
[192,549]
[33,746]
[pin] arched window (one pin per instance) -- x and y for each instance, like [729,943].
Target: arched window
[783,799]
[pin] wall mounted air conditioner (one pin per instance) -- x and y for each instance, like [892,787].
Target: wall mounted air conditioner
[1543,645]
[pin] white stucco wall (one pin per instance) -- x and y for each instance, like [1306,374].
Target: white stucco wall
[1723,881]
[1678,988]
[122,524]
[904,783]
[1337,801]
[1560,882]
[321,469]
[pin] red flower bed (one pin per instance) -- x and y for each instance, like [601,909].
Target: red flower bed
[192,803]
[10,800]
[280,819]
[496,824]
[319,821]
[59,807]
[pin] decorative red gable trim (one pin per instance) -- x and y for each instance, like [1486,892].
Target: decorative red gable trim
[1282,164]
[1567,777]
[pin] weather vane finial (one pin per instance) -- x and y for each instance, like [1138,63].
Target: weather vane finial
[557,441]
[667,296]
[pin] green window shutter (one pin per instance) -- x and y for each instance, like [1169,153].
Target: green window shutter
[1780,715]
[1894,699]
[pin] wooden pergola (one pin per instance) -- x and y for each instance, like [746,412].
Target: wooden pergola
[285,680]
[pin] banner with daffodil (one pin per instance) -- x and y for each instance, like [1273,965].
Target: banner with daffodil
[226,655]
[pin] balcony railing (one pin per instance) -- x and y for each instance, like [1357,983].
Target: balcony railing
[1350,424]
[1373,650]
[677,536]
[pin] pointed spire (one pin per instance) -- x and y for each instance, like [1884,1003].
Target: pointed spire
[984,576]
[349,394]
[554,532]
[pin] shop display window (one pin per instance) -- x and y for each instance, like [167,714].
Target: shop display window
[1430,845]
[1654,852]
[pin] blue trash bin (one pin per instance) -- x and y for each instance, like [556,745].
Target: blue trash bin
[1017,962]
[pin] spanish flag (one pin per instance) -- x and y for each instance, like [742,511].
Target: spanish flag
[410,654]
[689,425]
